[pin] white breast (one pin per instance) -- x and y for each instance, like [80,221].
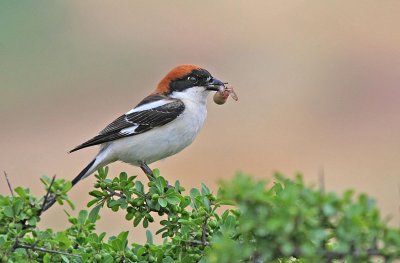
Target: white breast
[167,140]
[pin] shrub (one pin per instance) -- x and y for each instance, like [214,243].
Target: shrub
[246,221]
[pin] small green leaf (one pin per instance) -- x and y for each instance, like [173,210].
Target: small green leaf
[66,187]
[96,193]
[123,236]
[94,213]
[46,258]
[92,202]
[177,185]
[137,220]
[65,259]
[162,202]
[123,176]
[129,216]
[70,203]
[167,260]
[139,187]
[8,211]
[32,221]
[107,259]
[173,200]
[161,184]
[145,223]
[194,192]
[156,173]
[21,192]
[18,206]
[206,203]
[149,237]
[204,189]
[82,216]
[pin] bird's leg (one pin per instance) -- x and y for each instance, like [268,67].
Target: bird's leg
[146,169]
[149,173]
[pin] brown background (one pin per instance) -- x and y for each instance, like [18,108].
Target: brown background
[318,83]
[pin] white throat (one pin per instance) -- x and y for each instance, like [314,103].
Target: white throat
[196,95]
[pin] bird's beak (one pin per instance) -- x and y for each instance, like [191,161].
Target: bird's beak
[215,85]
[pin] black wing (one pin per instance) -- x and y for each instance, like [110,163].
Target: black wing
[137,122]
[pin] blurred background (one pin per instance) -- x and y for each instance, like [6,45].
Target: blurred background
[318,85]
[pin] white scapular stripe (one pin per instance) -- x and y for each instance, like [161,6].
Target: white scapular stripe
[149,106]
[129,130]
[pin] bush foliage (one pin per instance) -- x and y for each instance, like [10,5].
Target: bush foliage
[246,221]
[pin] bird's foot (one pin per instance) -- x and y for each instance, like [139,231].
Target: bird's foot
[48,202]
[149,173]
[146,169]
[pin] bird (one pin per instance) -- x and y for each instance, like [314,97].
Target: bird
[161,125]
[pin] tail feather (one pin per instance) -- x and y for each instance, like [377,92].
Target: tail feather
[84,173]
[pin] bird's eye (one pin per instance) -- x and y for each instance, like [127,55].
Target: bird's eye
[192,79]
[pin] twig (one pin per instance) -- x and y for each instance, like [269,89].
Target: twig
[46,205]
[40,249]
[198,243]
[8,182]
[204,230]
[113,193]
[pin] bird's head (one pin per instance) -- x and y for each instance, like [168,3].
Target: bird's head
[189,82]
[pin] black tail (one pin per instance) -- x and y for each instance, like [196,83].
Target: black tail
[82,173]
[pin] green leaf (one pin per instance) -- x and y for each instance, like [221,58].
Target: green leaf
[186,201]
[65,259]
[139,187]
[206,203]
[70,203]
[96,193]
[161,184]
[92,202]
[18,204]
[129,216]
[145,223]
[162,202]
[204,189]
[177,185]
[94,213]
[45,180]
[141,251]
[137,220]
[156,173]
[123,176]
[32,221]
[184,221]
[149,237]
[173,200]
[107,259]
[21,192]
[8,211]
[168,260]
[194,192]
[123,236]
[82,216]
[117,244]
[46,258]
[66,187]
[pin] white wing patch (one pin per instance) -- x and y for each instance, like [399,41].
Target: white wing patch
[149,106]
[129,130]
